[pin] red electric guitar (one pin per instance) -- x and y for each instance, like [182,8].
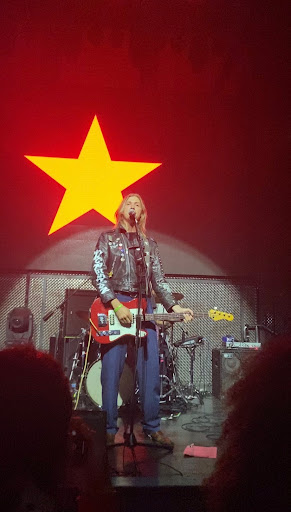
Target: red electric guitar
[106,328]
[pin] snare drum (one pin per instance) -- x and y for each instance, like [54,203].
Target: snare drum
[94,388]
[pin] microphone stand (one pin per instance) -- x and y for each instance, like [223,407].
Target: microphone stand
[142,273]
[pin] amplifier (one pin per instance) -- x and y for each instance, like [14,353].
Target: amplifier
[77,301]
[227,367]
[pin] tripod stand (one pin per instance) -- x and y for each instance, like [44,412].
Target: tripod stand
[175,388]
[171,382]
[79,370]
[191,346]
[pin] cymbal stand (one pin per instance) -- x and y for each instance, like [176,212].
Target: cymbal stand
[79,355]
[191,388]
[165,368]
[175,389]
[79,367]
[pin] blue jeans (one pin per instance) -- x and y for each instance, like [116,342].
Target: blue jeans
[113,359]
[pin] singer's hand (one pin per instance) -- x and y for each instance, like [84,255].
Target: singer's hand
[124,316]
[188,313]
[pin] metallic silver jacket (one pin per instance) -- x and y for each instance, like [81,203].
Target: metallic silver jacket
[114,267]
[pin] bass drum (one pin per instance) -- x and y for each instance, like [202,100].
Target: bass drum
[94,388]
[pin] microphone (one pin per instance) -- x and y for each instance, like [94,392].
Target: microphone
[131,213]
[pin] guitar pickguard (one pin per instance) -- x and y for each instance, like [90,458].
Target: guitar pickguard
[106,328]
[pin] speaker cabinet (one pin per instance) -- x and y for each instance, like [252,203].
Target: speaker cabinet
[227,366]
[76,301]
[95,455]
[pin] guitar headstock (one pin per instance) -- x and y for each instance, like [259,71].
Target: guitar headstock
[219,315]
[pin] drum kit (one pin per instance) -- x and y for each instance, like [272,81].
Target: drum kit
[85,372]
[171,389]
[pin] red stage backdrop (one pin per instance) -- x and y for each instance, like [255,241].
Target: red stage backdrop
[198,86]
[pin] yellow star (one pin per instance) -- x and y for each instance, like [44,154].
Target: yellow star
[92,181]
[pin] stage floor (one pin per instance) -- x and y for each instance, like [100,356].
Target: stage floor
[157,467]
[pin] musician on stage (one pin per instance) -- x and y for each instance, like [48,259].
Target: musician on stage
[116,271]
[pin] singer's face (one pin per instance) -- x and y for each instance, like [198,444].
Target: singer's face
[132,203]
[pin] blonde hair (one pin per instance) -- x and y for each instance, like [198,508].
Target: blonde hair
[143,217]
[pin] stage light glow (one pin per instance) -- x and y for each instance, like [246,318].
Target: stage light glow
[92,181]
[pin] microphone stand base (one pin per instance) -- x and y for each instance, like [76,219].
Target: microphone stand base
[131,442]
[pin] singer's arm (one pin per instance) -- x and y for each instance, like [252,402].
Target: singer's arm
[101,279]
[187,312]
[160,285]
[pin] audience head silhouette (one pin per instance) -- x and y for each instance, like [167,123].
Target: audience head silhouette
[252,469]
[36,410]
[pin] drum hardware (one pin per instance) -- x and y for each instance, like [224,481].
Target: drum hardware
[170,387]
[85,376]
[190,344]
[165,367]
[79,356]
[78,371]
[94,389]
[175,389]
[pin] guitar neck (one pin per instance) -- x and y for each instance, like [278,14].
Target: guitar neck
[169,317]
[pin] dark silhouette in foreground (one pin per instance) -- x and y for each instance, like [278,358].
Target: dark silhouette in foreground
[253,466]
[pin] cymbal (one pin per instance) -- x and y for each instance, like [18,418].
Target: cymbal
[84,315]
[190,342]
